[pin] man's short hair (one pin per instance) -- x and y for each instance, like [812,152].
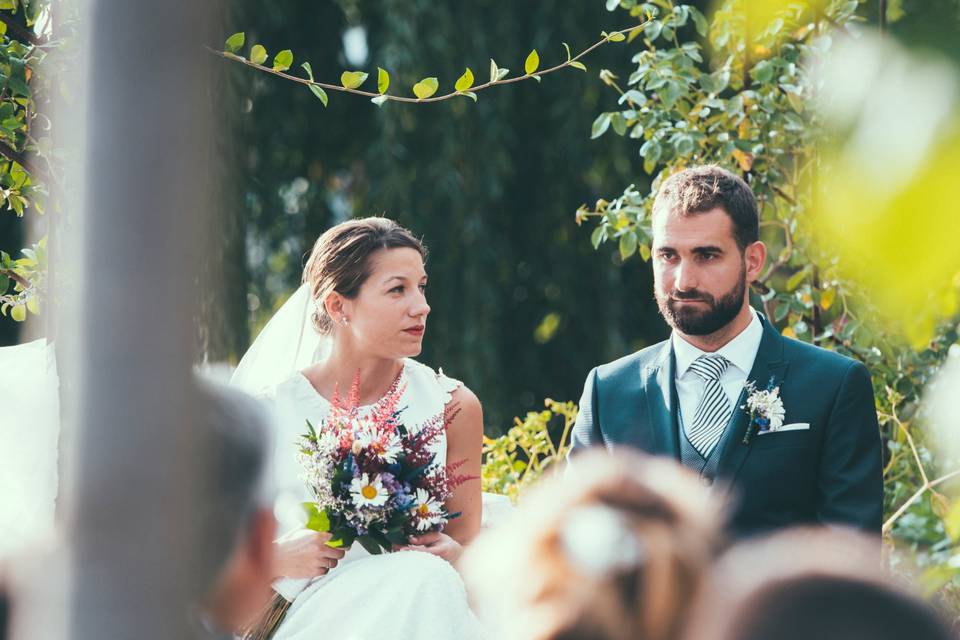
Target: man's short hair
[701,189]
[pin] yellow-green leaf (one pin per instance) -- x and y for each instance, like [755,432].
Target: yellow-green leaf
[318,91]
[19,313]
[33,305]
[425,88]
[616,36]
[794,281]
[306,67]
[578,65]
[258,55]
[827,298]
[567,47]
[383,80]
[465,81]
[352,79]
[532,62]
[235,42]
[283,60]
[628,245]
[494,71]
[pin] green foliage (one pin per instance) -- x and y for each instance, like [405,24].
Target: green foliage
[518,458]
[21,279]
[26,154]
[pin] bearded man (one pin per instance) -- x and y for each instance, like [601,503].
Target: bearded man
[789,427]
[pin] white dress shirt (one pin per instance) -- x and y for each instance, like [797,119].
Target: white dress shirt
[741,352]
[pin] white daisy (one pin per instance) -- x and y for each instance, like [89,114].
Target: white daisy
[367,492]
[372,441]
[426,510]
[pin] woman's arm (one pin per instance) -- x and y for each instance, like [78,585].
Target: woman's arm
[465,442]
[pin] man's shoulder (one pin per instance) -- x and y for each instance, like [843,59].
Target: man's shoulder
[806,354]
[630,364]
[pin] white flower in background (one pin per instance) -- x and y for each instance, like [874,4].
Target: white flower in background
[368,492]
[426,510]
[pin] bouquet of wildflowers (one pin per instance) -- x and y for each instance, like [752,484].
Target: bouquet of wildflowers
[375,481]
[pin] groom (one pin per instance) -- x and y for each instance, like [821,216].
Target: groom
[811,453]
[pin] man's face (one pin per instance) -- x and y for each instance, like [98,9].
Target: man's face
[700,275]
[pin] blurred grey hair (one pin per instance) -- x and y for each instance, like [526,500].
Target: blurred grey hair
[238,439]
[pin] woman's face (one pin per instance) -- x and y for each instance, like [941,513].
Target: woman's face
[389,315]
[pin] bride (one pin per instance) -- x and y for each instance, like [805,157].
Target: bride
[363,309]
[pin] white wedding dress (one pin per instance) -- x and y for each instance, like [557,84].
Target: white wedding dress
[406,595]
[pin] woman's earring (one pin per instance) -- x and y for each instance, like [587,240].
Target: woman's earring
[344,320]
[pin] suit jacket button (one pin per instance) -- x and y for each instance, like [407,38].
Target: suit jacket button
[706,481]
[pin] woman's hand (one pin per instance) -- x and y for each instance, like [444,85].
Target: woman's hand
[439,544]
[305,554]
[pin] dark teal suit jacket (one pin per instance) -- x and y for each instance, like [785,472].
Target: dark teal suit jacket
[830,473]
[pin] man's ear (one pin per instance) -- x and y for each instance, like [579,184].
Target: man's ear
[755,255]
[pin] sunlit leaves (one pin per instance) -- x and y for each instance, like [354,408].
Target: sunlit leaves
[425,88]
[283,60]
[352,79]
[383,81]
[600,125]
[235,42]
[318,91]
[314,89]
[258,54]
[465,81]
[306,67]
[532,63]
[496,73]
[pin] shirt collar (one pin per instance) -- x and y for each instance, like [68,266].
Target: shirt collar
[741,351]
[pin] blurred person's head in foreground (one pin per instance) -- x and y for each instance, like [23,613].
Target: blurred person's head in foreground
[807,583]
[239,525]
[612,548]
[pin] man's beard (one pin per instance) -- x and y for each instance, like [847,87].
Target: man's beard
[702,320]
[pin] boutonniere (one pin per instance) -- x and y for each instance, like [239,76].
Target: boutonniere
[765,409]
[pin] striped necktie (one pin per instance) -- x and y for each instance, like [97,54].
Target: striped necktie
[713,411]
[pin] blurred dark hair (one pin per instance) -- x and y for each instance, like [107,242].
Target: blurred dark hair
[807,583]
[236,430]
[4,614]
[836,608]
[340,260]
[701,189]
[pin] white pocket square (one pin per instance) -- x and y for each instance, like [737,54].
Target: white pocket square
[794,426]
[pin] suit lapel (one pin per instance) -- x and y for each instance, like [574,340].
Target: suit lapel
[661,396]
[769,367]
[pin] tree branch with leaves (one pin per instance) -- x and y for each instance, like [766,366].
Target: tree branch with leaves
[424,90]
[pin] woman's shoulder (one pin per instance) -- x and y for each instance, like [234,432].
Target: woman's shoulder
[295,388]
[425,377]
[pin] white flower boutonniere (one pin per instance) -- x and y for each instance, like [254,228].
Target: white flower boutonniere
[765,409]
